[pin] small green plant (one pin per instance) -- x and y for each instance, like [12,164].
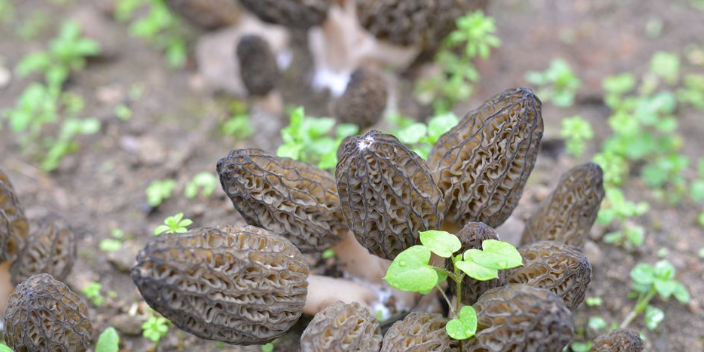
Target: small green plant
[205,182]
[666,66]
[473,38]
[108,341]
[159,191]
[328,253]
[576,132]
[155,328]
[93,293]
[238,124]
[114,243]
[617,209]
[557,84]
[411,271]
[692,92]
[421,137]
[594,301]
[174,224]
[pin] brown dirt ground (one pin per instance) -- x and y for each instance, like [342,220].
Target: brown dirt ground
[174,134]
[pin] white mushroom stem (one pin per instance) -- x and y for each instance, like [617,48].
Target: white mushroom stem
[358,262]
[5,285]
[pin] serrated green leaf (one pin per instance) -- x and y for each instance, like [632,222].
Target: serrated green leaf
[410,271]
[442,243]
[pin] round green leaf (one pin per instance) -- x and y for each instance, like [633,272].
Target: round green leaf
[464,326]
[108,341]
[495,254]
[476,271]
[410,271]
[440,242]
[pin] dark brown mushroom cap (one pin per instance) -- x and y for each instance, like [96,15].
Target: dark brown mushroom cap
[482,164]
[568,214]
[258,67]
[301,14]
[236,284]
[364,100]
[14,226]
[387,193]
[554,266]
[413,22]
[342,327]
[51,249]
[518,317]
[471,236]
[43,314]
[208,14]
[285,196]
[419,332]
[619,340]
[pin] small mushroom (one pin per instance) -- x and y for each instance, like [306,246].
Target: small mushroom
[43,314]
[236,284]
[518,317]
[14,226]
[556,267]
[387,193]
[619,340]
[51,249]
[342,327]
[482,164]
[298,14]
[471,236]
[568,214]
[419,332]
[364,100]
[208,14]
[258,67]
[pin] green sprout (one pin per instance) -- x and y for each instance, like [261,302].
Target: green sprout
[420,137]
[576,131]
[205,181]
[617,208]
[93,293]
[557,84]
[411,271]
[155,328]
[238,124]
[328,253]
[113,244]
[159,191]
[174,224]
[666,66]
[108,341]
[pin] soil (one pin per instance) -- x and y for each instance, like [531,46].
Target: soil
[174,134]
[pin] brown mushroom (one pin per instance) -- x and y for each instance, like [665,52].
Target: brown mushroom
[419,332]
[51,249]
[258,67]
[299,14]
[364,100]
[619,340]
[208,14]
[14,226]
[342,327]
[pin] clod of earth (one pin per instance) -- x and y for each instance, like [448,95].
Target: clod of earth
[258,67]
[236,284]
[14,226]
[619,340]
[554,266]
[482,164]
[299,14]
[471,236]
[419,332]
[387,193]
[285,196]
[568,214]
[43,314]
[51,249]
[342,327]
[364,100]
[208,14]
[518,317]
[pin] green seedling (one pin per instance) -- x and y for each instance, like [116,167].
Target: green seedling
[113,244]
[616,208]
[238,124]
[205,182]
[159,191]
[155,328]
[666,66]
[576,132]
[174,224]
[581,346]
[692,92]
[93,293]
[421,137]
[411,271]
[328,253]
[594,301]
[108,341]
[557,84]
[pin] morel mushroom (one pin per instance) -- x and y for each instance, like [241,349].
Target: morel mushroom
[13,224]
[364,99]
[568,214]
[43,314]
[258,67]
[556,267]
[482,164]
[419,332]
[471,236]
[387,193]
[285,196]
[619,340]
[51,249]
[518,317]
[300,14]
[240,285]
[342,327]
[208,14]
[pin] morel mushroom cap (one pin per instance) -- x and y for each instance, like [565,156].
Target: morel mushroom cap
[518,317]
[301,14]
[258,67]
[419,332]
[285,196]
[413,22]
[240,285]
[342,327]
[619,340]
[387,193]
[554,266]
[482,164]
[208,14]
[13,224]
[568,214]
[51,249]
[364,99]
[43,314]
[471,236]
